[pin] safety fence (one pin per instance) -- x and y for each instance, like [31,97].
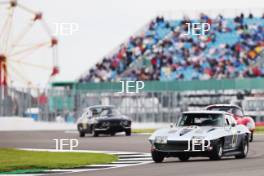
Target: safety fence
[157,102]
[25,102]
[159,86]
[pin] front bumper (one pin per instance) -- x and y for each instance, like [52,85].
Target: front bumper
[176,148]
[111,127]
[102,127]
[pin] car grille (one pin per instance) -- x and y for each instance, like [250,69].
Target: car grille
[178,146]
[115,123]
[171,146]
[112,122]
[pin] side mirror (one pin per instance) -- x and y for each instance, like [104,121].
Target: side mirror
[233,124]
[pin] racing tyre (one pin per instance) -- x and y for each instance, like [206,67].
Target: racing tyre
[217,152]
[81,134]
[128,133]
[184,158]
[94,133]
[112,134]
[158,157]
[251,137]
[243,149]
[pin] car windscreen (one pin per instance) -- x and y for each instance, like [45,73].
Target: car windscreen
[110,112]
[201,120]
[105,111]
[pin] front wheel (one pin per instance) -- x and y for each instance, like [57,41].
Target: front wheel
[251,137]
[217,152]
[184,158]
[243,149]
[128,132]
[94,133]
[157,157]
[81,134]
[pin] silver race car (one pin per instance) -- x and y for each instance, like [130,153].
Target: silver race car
[210,134]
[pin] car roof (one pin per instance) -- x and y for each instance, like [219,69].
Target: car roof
[223,105]
[205,112]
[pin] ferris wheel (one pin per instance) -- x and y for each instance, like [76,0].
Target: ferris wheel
[28,51]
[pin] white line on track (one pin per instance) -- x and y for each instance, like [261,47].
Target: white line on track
[259,134]
[71,132]
[126,159]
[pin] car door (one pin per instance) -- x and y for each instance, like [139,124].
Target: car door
[234,132]
[240,121]
[228,136]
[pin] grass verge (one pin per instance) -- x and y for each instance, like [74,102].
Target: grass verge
[13,159]
[144,130]
[260,129]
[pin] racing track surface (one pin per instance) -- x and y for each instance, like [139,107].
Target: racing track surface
[252,166]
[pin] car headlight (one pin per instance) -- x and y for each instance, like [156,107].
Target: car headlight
[124,123]
[161,139]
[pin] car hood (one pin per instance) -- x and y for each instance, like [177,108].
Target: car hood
[187,133]
[114,117]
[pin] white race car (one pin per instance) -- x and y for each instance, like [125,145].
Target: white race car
[210,134]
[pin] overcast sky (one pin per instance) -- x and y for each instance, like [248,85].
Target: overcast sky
[104,24]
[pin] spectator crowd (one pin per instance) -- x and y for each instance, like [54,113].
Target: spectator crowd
[232,48]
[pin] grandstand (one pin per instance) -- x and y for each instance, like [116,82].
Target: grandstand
[231,49]
[181,72]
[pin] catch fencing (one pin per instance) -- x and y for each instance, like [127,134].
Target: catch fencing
[157,102]
[25,102]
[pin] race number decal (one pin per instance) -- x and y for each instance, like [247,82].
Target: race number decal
[234,138]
